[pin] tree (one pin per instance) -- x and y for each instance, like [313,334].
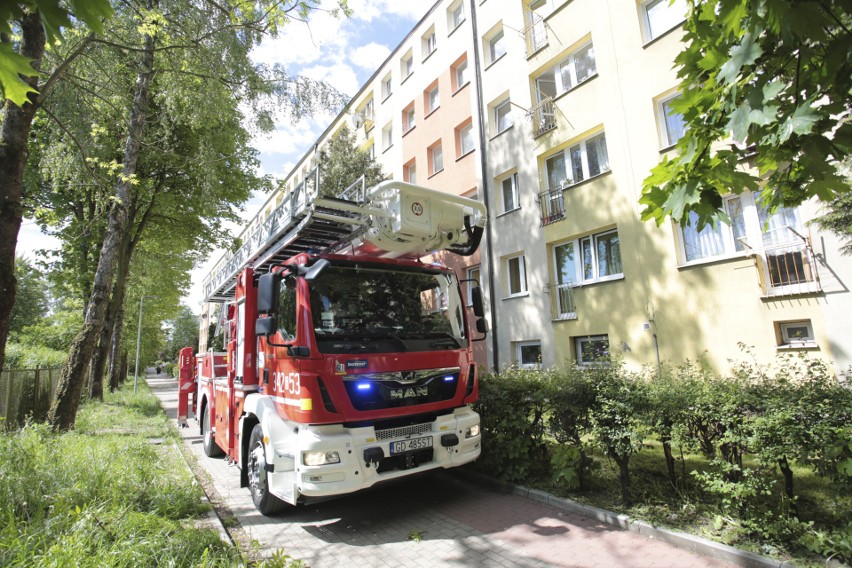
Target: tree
[31,301]
[32,23]
[209,42]
[342,163]
[183,332]
[765,84]
[838,215]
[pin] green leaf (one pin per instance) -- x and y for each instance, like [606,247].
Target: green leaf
[801,122]
[739,122]
[744,53]
[54,17]
[92,12]
[12,66]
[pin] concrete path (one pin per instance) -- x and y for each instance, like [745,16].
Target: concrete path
[436,520]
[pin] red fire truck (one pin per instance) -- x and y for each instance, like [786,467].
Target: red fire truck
[348,358]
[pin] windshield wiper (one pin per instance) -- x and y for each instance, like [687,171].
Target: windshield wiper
[387,334]
[444,337]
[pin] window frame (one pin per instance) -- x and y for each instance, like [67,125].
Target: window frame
[455,16]
[569,165]
[462,81]
[406,67]
[387,87]
[467,127]
[410,172]
[663,123]
[429,43]
[387,137]
[507,104]
[436,154]
[513,179]
[519,348]
[408,118]
[785,341]
[648,27]
[580,276]
[522,276]
[433,103]
[579,351]
[497,39]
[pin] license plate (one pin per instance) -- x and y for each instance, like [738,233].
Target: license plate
[410,445]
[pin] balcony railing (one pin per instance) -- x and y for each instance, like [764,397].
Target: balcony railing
[787,264]
[535,33]
[562,302]
[543,117]
[552,206]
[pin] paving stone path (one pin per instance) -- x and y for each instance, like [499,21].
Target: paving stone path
[435,520]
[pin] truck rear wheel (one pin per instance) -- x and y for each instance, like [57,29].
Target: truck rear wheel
[211,449]
[264,501]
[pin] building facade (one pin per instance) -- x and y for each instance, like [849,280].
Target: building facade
[553,112]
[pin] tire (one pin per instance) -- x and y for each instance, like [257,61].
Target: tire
[211,448]
[264,501]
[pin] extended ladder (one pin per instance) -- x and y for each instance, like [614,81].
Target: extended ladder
[390,219]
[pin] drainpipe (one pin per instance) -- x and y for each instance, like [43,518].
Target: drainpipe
[483,164]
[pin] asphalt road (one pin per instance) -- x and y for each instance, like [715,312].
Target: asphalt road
[434,520]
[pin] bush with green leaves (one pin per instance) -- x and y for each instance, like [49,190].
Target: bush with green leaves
[24,356]
[571,395]
[512,407]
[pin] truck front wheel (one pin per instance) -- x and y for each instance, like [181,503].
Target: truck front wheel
[264,501]
[211,449]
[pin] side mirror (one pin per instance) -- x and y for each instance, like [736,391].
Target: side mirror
[482,325]
[476,301]
[264,327]
[314,271]
[268,292]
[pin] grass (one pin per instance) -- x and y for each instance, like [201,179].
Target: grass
[689,509]
[103,494]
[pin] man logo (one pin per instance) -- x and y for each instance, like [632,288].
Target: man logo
[399,394]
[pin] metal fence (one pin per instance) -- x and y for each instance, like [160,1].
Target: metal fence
[26,392]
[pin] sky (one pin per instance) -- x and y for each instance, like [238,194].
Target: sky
[343,52]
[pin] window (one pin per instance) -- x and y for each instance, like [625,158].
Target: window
[592,258]
[472,278]
[671,122]
[503,116]
[592,349]
[659,16]
[582,161]
[464,139]
[410,173]
[528,354]
[430,43]
[578,67]
[406,65]
[460,78]
[516,283]
[387,136]
[387,86]
[496,46]
[368,109]
[509,187]
[796,334]
[455,16]
[718,240]
[433,100]
[436,159]
[408,118]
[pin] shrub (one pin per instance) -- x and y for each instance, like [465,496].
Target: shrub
[571,396]
[23,356]
[512,406]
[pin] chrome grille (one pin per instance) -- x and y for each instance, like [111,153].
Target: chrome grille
[403,432]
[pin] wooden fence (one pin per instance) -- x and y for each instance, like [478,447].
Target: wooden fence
[26,392]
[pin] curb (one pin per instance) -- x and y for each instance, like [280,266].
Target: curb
[685,541]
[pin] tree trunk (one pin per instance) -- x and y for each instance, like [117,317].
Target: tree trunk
[116,356]
[670,461]
[624,478]
[15,124]
[63,412]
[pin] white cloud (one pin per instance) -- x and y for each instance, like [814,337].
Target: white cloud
[369,10]
[31,239]
[369,56]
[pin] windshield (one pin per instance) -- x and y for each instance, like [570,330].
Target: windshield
[382,310]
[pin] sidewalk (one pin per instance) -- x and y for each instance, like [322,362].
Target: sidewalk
[440,520]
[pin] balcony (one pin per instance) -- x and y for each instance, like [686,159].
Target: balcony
[562,305]
[787,264]
[552,206]
[535,33]
[543,117]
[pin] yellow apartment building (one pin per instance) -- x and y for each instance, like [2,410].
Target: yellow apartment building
[553,112]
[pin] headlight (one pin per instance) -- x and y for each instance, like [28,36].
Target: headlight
[472,432]
[320,458]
